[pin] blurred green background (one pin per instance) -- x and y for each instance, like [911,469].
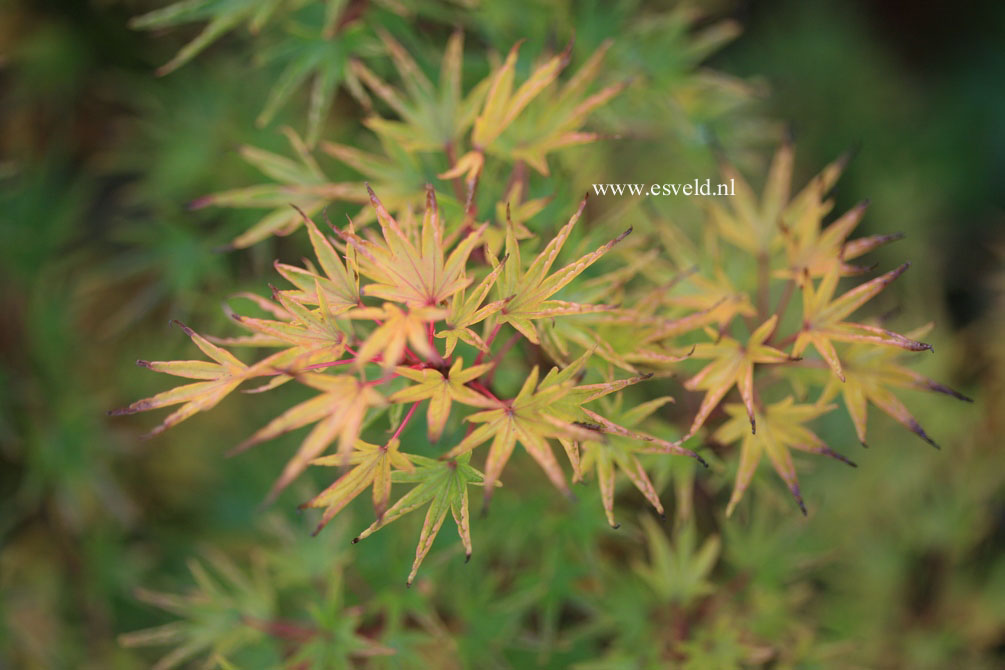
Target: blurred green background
[900,564]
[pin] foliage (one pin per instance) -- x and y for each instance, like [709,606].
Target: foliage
[481,324]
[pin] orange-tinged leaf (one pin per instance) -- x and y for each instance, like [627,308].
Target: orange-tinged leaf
[337,413]
[823,318]
[732,363]
[782,427]
[222,377]
[870,375]
[441,389]
[373,465]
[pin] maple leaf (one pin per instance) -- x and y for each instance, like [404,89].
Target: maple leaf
[525,419]
[811,251]
[397,330]
[503,128]
[301,180]
[528,292]
[870,373]
[555,118]
[413,272]
[339,285]
[443,485]
[823,318]
[619,449]
[213,618]
[755,225]
[732,363]
[373,465]
[338,413]
[309,339]
[222,18]
[466,311]
[219,379]
[432,117]
[312,52]
[781,428]
[441,389]
[549,410]
[679,572]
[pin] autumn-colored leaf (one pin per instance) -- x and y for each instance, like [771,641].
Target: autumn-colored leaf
[219,379]
[338,412]
[732,363]
[441,389]
[372,466]
[781,428]
[870,375]
[824,318]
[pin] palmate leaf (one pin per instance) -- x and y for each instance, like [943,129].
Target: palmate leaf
[467,310]
[221,16]
[299,181]
[399,331]
[756,225]
[811,251]
[555,118]
[307,339]
[503,129]
[781,428]
[678,572]
[315,54]
[619,449]
[219,378]
[554,409]
[410,267]
[871,373]
[312,47]
[443,485]
[823,318]
[732,363]
[372,466]
[528,419]
[338,413]
[212,619]
[399,176]
[527,292]
[442,389]
[433,117]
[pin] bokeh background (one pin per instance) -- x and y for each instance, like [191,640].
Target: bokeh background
[900,564]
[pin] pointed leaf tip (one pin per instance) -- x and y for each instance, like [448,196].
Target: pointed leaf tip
[185,329]
[920,432]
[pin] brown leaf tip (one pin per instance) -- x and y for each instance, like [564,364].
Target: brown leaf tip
[920,432]
[794,488]
[623,235]
[199,203]
[144,364]
[185,329]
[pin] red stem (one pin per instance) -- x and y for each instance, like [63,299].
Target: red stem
[488,344]
[498,357]
[404,422]
[481,388]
